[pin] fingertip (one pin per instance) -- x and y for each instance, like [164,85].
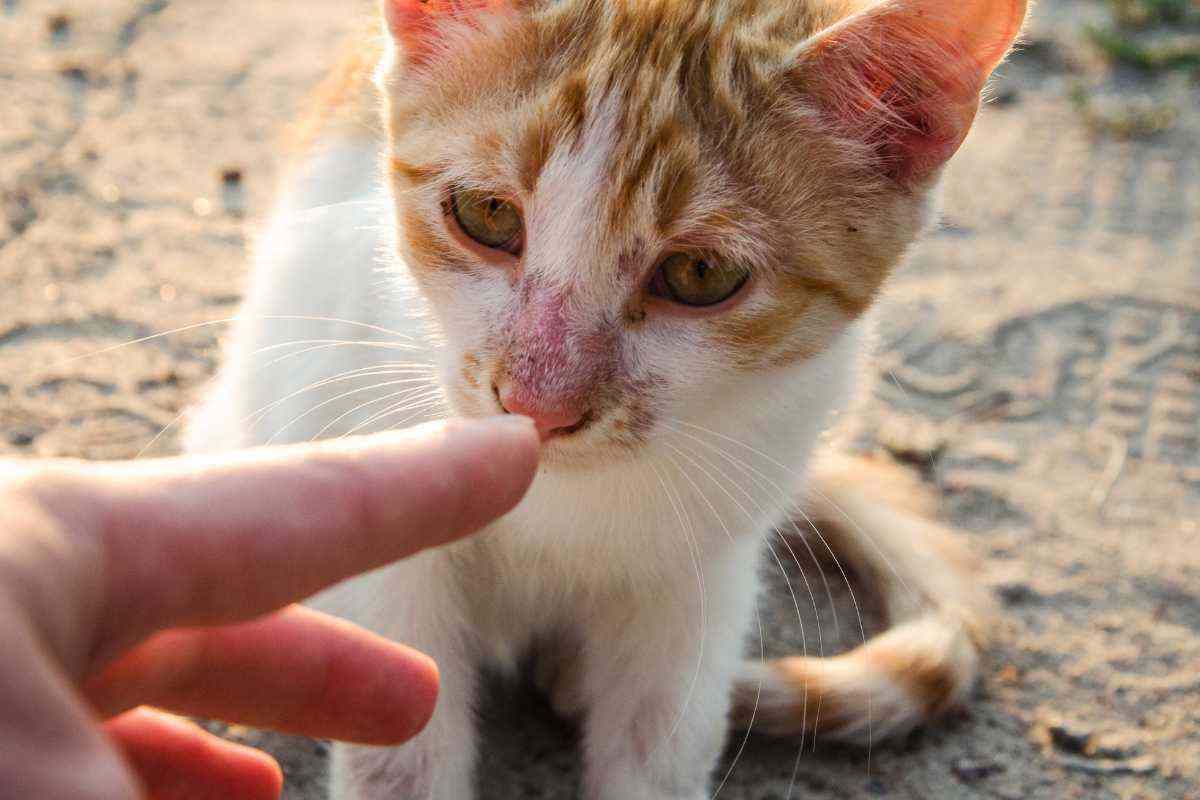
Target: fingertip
[477,469]
[516,451]
[420,700]
[255,774]
[497,459]
[271,776]
[176,758]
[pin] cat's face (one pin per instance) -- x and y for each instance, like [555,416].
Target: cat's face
[619,209]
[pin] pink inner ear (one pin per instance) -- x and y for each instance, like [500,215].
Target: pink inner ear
[905,77]
[416,24]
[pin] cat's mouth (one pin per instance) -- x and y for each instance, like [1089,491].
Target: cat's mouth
[570,430]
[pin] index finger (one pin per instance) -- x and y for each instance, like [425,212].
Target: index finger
[212,540]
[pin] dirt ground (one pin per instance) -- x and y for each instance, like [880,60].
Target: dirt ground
[1039,361]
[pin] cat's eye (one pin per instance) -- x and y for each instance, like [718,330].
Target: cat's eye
[699,281]
[491,221]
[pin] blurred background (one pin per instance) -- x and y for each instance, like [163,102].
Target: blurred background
[1039,359]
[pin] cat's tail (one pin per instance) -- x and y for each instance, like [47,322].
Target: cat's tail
[872,515]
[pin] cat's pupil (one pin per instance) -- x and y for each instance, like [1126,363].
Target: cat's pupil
[701,270]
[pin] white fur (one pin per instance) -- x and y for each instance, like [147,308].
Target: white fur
[648,561]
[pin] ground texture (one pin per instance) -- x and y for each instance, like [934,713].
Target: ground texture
[1039,362]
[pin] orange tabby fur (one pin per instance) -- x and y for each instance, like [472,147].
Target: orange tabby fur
[704,102]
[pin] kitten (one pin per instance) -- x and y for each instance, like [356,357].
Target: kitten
[656,227]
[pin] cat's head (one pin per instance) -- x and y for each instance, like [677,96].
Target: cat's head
[619,207]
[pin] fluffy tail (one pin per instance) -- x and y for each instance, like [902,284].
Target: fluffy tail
[871,513]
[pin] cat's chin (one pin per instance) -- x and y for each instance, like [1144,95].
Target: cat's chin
[583,452]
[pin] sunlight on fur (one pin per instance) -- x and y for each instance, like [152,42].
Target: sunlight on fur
[657,228]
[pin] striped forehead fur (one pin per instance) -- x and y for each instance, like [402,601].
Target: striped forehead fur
[698,89]
[710,147]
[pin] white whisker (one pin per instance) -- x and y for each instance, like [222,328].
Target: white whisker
[317,345]
[407,394]
[387,384]
[837,562]
[858,529]
[693,546]
[252,419]
[764,481]
[761,637]
[373,371]
[787,581]
[418,405]
[229,320]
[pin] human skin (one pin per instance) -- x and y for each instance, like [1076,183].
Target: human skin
[168,583]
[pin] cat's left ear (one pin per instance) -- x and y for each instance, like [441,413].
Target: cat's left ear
[421,26]
[904,77]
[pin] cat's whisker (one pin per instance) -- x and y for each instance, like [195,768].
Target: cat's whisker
[837,562]
[230,320]
[414,411]
[812,597]
[853,598]
[803,637]
[391,396]
[254,417]
[858,529]
[161,433]
[761,635]
[317,345]
[419,403]
[381,204]
[412,405]
[765,482]
[786,495]
[693,546]
[752,520]
[373,371]
[331,341]
[407,381]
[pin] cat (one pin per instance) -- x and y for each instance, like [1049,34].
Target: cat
[657,227]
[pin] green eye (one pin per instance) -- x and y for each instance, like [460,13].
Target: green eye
[697,281]
[489,220]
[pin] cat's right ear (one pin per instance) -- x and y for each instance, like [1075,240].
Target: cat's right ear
[421,27]
[904,76]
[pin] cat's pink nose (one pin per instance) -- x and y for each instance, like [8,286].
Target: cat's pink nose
[550,420]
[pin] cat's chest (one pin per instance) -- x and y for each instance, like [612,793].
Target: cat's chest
[626,533]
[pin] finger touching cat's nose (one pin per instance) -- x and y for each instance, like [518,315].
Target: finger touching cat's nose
[550,418]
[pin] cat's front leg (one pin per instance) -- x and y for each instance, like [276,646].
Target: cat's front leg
[409,603]
[658,693]
[437,765]
[656,728]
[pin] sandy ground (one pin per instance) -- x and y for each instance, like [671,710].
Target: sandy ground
[1039,361]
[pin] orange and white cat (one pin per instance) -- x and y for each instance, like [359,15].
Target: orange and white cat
[657,228]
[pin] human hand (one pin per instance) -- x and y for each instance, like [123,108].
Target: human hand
[146,583]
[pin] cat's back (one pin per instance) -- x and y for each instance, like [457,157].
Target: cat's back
[311,316]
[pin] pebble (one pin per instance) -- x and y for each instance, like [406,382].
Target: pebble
[58,25]
[970,770]
[1016,593]
[1070,737]
[1144,765]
